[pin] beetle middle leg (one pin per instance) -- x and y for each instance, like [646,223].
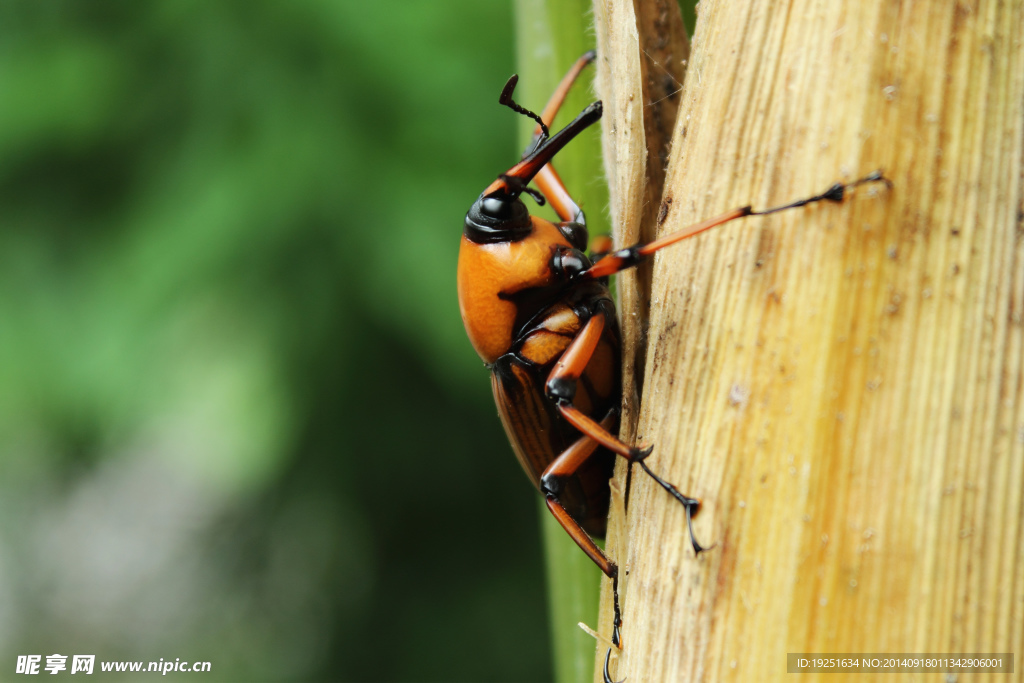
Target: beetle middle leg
[561,387]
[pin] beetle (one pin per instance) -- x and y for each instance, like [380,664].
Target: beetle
[538,312]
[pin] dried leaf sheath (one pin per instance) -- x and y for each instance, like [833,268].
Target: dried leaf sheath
[841,385]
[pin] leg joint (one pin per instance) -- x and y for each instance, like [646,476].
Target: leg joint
[551,486]
[639,454]
[630,256]
[561,389]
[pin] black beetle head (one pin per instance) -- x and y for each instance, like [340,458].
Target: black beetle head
[499,215]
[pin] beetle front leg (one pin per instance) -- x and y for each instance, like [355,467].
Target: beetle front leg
[561,388]
[547,179]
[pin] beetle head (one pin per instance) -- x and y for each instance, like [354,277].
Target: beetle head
[499,214]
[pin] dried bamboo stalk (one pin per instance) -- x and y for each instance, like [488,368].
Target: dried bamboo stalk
[842,385]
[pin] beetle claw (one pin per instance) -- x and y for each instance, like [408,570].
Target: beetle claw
[697,547]
[691,505]
[640,454]
[607,676]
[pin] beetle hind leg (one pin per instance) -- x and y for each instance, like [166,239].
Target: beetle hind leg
[551,483]
[608,676]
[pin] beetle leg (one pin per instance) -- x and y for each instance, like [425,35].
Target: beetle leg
[633,454]
[631,256]
[547,179]
[554,191]
[551,483]
[608,676]
[558,97]
[587,544]
[583,540]
[561,386]
[553,480]
[600,246]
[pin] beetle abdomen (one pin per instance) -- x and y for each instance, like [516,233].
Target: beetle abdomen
[535,428]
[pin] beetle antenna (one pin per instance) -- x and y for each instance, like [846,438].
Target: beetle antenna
[517,185]
[537,196]
[506,99]
[526,169]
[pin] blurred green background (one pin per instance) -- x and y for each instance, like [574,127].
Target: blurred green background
[239,419]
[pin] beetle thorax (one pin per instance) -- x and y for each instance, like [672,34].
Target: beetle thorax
[491,275]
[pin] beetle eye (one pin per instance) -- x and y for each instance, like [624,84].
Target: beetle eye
[499,218]
[495,207]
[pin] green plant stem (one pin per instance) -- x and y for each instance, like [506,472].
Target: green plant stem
[550,36]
